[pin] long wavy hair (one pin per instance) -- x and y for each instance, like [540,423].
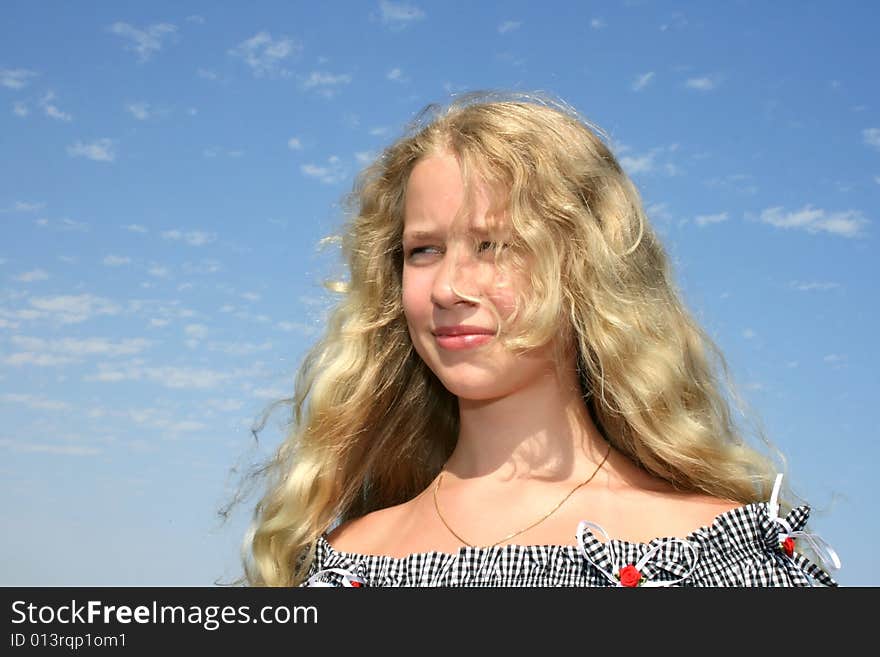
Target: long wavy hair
[371,425]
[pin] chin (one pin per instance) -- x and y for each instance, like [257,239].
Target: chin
[473,390]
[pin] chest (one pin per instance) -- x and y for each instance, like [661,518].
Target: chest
[420,528]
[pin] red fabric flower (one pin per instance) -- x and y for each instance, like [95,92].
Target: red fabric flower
[630,576]
[788,546]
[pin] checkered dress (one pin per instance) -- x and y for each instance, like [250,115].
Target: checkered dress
[745,546]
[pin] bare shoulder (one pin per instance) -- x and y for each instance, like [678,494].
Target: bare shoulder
[656,510]
[364,535]
[680,514]
[699,510]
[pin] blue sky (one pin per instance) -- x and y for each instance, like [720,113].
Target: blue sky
[167,170]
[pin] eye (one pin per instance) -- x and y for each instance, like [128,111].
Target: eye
[419,249]
[489,246]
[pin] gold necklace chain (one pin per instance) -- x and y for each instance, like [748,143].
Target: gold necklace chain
[534,524]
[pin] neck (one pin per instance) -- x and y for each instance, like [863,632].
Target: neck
[542,432]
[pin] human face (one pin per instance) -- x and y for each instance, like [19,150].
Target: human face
[448,254]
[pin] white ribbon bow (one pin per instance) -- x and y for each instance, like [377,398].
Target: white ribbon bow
[584,524]
[823,550]
[348,579]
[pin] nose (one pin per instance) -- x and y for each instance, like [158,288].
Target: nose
[453,277]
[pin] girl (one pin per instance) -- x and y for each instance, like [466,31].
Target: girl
[510,391]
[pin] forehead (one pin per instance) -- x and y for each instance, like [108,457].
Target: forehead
[438,201]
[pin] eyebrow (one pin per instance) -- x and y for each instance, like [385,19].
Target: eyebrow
[421,235]
[434,234]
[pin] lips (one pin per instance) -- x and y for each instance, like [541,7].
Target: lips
[462,329]
[462,336]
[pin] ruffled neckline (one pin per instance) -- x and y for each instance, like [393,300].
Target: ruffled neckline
[721,522]
[746,545]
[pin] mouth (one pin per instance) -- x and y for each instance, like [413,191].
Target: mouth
[462,341]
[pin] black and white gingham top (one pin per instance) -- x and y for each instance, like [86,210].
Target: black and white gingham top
[745,546]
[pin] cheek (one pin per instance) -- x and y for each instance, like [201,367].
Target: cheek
[412,297]
[503,294]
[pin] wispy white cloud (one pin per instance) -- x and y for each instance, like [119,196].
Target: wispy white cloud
[145,42]
[205,266]
[207,74]
[659,211]
[51,110]
[676,22]
[398,15]
[70,224]
[638,164]
[511,58]
[705,83]
[294,144]
[57,353]
[15,78]
[45,448]
[140,110]
[706,219]
[598,23]
[35,402]
[23,206]
[216,151]
[298,327]
[809,287]
[174,377]
[197,331]
[196,18]
[102,150]
[192,237]
[73,309]
[642,81]
[742,183]
[116,261]
[748,334]
[396,75]
[187,426]
[270,393]
[32,276]
[20,109]
[79,348]
[63,224]
[364,157]
[225,405]
[265,55]
[871,136]
[325,84]
[36,359]
[159,271]
[648,162]
[815,220]
[331,173]
[239,348]
[135,228]
[508,26]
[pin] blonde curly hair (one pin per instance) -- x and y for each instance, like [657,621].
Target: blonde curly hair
[372,425]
